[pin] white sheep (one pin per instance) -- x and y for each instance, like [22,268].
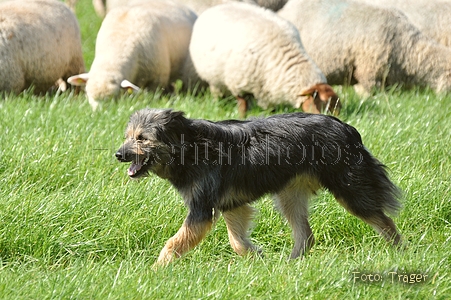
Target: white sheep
[355,43]
[201,5]
[40,43]
[245,49]
[144,43]
[198,6]
[432,17]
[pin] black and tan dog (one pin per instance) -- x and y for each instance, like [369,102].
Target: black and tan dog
[221,167]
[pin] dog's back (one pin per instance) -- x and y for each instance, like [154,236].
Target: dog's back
[260,156]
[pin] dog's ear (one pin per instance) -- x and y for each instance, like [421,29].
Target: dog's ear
[175,116]
[159,117]
[168,117]
[172,126]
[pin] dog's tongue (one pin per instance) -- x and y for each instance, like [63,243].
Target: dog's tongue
[134,168]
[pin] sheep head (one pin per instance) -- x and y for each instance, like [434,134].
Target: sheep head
[321,98]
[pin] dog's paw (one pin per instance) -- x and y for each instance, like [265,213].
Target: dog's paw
[165,258]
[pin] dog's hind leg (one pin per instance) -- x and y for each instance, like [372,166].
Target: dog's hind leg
[293,203]
[188,236]
[360,183]
[376,218]
[369,203]
[238,221]
[385,226]
[366,192]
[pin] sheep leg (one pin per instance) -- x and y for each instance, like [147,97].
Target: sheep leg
[242,107]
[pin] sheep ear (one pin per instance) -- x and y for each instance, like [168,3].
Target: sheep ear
[130,87]
[78,80]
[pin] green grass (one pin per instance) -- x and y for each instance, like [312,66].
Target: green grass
[72,225]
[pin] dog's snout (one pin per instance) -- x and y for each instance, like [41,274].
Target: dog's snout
[121,155]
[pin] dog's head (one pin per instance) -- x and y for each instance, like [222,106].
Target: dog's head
[321,98]
[151,140]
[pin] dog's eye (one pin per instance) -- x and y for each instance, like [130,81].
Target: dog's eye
[140,137]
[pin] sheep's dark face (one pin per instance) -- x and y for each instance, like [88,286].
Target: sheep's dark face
[321,98]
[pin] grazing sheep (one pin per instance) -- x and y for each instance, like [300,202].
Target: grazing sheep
[273,5]
[39,44]
[145,43]
[103,6]
[200,5]
[355,43]
[245,49]
[432,17]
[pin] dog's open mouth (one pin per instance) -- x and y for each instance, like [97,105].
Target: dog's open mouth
[137,168]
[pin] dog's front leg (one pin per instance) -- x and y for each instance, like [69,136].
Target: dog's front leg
[238,221]
[189,235]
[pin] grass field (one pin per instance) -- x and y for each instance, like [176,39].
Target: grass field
[73,226]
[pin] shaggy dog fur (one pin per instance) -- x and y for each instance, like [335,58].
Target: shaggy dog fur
[221,167]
